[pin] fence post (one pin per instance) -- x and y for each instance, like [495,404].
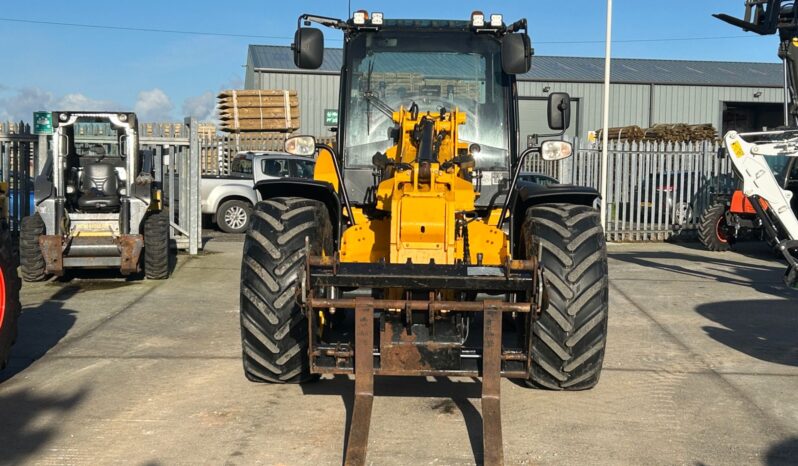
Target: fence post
[194,223]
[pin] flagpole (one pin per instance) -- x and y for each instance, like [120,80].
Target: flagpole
[605,125]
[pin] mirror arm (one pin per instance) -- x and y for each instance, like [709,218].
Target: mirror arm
[340,181]
[549,135]
[517,26]
[511,194]
[323,20]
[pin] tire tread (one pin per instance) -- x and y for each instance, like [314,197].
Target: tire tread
[569,337]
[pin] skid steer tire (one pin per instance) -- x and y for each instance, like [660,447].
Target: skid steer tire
[274,329]
[10,307]
[569,336]
[156,245]
[712,230]
[30,254]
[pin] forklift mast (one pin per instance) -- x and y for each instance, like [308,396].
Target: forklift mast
[770,17]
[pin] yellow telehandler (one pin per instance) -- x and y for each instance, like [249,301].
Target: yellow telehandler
[416,250]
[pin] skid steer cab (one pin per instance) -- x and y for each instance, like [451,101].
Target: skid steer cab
[413,250]
[97,204]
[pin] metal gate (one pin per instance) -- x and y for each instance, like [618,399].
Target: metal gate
[17,148]
[654,190]
[176,149]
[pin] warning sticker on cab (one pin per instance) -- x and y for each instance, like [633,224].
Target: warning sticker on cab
[737,148]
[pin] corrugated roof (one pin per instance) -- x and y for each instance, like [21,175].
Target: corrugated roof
[583,69]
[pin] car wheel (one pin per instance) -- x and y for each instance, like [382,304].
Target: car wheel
[234,216]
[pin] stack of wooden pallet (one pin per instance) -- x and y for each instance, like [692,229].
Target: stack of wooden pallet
[662,133]
[272,110]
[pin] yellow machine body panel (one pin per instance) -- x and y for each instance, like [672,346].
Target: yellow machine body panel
[427,207]
[324,169]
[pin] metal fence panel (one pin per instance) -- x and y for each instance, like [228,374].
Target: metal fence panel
[654,189]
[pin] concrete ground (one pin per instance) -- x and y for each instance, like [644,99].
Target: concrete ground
[701,368]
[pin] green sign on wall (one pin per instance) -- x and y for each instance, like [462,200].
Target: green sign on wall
[42,123]
[330,117]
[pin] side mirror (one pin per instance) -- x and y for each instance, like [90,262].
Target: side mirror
[559,111]
[308,48]
[516,53]
[556,150]
[301,145]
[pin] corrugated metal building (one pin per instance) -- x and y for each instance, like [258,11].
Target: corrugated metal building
[644,92]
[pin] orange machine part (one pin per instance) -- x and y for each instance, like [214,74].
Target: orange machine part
[741,205]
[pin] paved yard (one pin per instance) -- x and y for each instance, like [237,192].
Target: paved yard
[701,368]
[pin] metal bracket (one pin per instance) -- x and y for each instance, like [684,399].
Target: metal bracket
[52,247]
[130,247]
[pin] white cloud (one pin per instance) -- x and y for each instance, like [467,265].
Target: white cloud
[153,105]
[79,101]
[201,107]
[21,104]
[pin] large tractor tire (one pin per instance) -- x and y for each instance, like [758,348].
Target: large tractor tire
[156,245]
[713,232]
[10,307]
[569,337]
[274,329]
[234,216]
[30,254]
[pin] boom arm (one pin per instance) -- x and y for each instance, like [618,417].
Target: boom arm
[759,183]
[767,17]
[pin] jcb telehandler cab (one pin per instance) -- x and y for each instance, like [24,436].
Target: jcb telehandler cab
[413,240]
[97,204]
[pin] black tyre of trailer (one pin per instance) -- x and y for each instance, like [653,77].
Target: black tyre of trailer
[569,336]
[274,329]
[713,231]
[30,254]
[234,216]
[10,307]
[157,252]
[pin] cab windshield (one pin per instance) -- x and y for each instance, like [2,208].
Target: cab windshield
[452,71]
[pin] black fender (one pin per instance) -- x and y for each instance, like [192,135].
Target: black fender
[528,194]
[309,189]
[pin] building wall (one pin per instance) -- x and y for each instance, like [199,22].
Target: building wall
[316,92]
[631,104]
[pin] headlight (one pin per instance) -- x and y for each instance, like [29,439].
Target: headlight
[360,17]
[122,117]
[477,19]
[496,21]
[301,145]
[556,150]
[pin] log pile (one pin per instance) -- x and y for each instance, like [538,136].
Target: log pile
[255,110]
[624,133]
[662,133]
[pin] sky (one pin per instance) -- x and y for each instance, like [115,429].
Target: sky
[170,75]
